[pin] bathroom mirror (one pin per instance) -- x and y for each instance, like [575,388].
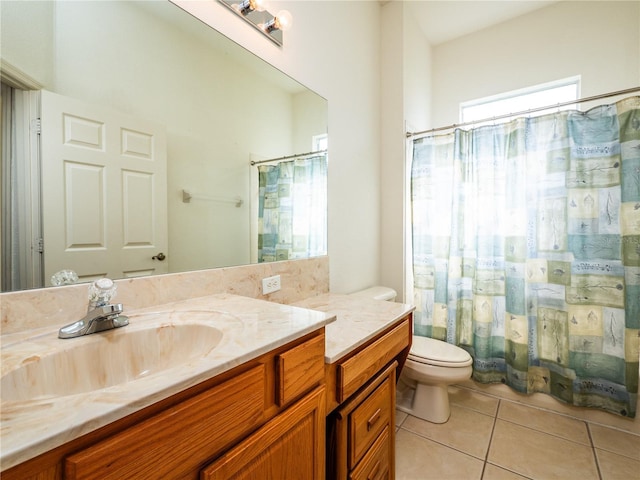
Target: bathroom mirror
[219,105]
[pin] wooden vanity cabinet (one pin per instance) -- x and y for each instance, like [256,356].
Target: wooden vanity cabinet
[361,422]
[253,416]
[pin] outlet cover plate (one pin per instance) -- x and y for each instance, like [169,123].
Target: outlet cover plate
[271,284]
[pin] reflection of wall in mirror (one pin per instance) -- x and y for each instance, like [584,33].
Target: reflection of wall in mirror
[216,111]
[310,119]
[27,38]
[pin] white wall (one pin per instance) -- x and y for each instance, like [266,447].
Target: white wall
[309,120]
[598,40]
[30,49]
[334,49]
[392,146]
[417,107]
[405,103]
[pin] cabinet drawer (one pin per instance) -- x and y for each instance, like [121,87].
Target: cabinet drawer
[357,370]
[202,426]
[375,464]
[368,420]
[299,369]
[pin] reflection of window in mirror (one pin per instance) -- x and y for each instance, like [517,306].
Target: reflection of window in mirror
[319,142]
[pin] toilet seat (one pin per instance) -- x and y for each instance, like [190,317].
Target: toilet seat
[438,353]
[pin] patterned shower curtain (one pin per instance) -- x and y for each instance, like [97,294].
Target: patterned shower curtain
[292,210]
[526,251]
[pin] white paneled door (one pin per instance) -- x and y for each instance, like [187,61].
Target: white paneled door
[104,191]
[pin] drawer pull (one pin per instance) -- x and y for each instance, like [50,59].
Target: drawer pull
[374,418]
[374,472]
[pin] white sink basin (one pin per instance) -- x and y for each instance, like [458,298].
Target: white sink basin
[151,344]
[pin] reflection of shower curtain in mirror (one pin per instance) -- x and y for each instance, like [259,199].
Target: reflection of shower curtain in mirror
[526,251]
[292,210]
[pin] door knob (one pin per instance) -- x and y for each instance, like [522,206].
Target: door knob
[161,256]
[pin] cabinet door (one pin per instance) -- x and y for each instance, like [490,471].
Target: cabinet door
[289,447]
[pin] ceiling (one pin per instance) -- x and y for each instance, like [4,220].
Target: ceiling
[445,20]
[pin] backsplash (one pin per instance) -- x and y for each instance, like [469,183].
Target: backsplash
[56,306]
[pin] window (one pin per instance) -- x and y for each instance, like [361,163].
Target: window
[319,142]
[519,101]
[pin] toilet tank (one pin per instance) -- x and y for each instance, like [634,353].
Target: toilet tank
[378,293]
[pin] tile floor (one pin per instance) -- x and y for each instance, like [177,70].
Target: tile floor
[492,438]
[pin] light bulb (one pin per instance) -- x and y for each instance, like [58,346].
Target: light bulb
[283,20]
[248,6]
[258,5]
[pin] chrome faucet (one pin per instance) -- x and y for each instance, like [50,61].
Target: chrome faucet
[99,319]
[100,314]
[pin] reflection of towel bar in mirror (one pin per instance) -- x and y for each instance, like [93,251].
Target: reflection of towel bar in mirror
[188,196]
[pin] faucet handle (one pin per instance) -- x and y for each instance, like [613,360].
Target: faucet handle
[101,292]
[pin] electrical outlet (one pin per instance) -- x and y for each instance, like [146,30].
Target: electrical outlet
[270,284]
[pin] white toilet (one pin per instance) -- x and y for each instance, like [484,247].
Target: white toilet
[432,365]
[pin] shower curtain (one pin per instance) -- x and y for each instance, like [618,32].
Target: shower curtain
[526,251]
[292,209]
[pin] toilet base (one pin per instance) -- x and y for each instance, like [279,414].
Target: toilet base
[429,402]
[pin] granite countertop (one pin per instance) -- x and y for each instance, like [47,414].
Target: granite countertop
[250,328]
[358,320]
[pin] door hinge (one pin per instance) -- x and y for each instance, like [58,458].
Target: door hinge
[40,245]
[36,126]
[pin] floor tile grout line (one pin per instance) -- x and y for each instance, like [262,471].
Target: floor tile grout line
[406,415]
[466,407]
[493,429]
[610,427]
[600,423]
[442,444]
[543,432]
[496,416]
[551,412]
[491,439]
[486,461]
[510,471]
[593,450]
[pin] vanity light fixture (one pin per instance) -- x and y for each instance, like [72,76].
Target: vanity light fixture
[254,12]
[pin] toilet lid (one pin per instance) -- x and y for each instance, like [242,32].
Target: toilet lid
[437,352]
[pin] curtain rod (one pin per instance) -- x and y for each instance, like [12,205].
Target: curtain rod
[288,157]
[524,112]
